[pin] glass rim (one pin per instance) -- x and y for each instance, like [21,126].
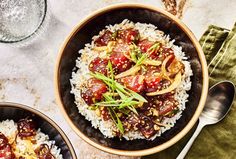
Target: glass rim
[34,32]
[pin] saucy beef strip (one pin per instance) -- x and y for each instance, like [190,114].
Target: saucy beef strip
[43,152]
[3,140]
[26,128]
[5,148]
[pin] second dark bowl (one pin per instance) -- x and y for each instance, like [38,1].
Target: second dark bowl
[13,111]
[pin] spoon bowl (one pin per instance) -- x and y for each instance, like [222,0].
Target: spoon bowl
[219,101]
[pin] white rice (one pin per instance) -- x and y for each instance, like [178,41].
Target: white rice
[9,129]
[82,75]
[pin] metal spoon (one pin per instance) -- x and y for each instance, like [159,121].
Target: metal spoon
[218,104]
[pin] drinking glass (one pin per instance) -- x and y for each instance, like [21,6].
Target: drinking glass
[22,20]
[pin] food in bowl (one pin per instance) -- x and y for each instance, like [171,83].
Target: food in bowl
[131,81]
[22,140]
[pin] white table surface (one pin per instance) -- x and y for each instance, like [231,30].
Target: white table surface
[26,74]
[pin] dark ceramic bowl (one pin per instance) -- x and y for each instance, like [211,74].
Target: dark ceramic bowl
[17,111]
[91,26]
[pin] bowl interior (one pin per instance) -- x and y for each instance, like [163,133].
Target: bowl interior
[14,112]
[83,35]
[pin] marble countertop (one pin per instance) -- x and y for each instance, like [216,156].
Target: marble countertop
[26,74]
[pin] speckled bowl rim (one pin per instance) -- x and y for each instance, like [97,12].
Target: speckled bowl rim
[194,118]
[44,117]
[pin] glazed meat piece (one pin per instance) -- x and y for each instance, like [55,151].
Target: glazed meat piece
[144,45]
[152,83]
[166,51]
[95,89]
[3,141]
[6,153]
[43,152]
[104,38]
[169,104]
[141,123]
[147,127]
[128,35]
[119,58]
[26,128]
[150,48]
[135,83]
[152,78]
[5,148]
[98,65]
[133,121]
[105,113]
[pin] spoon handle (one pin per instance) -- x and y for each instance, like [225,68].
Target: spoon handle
[190,142]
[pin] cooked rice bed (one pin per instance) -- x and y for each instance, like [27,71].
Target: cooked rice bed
[9,129]
[150,32]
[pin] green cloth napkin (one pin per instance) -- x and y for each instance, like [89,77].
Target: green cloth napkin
[215,141]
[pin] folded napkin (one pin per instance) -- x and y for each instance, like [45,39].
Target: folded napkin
[215,141]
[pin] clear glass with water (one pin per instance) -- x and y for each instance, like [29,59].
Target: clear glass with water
[21,20]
